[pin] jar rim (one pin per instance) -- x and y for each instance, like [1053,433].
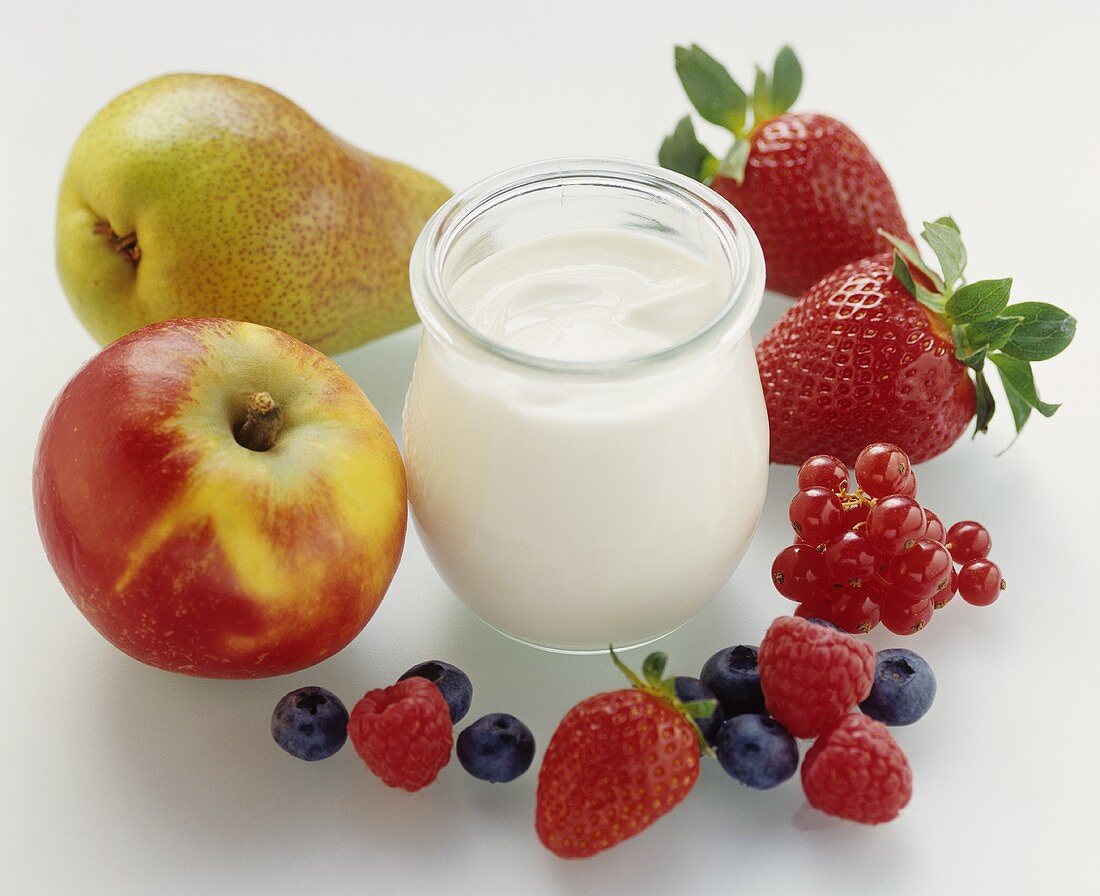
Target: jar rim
[736,238]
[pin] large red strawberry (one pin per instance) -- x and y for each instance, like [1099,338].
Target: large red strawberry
[807,184]
[887,350]
[617,762]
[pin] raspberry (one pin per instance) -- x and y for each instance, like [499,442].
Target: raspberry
[811,675]
[403,733]
[858,772]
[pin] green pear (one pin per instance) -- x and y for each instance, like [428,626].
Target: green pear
[208,196]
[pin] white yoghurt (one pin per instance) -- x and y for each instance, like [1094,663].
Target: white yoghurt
[573,512]
[590,295]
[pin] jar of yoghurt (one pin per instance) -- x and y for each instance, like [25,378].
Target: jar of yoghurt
[585,432]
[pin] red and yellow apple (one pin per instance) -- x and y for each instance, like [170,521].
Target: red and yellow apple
[220,499]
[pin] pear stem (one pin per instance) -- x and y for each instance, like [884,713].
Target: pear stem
[263,418]
[126,246]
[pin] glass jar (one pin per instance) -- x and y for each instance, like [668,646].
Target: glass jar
[577,504]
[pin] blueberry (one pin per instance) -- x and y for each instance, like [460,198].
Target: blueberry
[497,747]
[688,689]
[452,682]
[310,723]
[732,675]
[756,750]
[903,690]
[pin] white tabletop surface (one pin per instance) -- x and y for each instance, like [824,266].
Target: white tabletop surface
[121,779]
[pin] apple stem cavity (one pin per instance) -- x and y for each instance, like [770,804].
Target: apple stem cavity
[126,246]
[263,418]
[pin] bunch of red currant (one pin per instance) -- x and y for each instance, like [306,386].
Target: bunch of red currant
[875,554]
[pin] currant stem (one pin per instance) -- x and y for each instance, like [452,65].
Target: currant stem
[857,498]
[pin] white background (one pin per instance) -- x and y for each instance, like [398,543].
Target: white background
[122,779]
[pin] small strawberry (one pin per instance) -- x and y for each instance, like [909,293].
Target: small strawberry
[887,350]
[813,675]
[617,762]
[806,183]
[857,771]
[403,733]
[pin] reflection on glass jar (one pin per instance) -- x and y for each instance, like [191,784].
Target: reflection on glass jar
[585,433]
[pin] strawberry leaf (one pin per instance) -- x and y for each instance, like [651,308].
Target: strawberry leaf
[1044,331]
[1017,377]
[761,97]
[910,254]
[930,300]
[716,96]
[625,669]
[1021,410]
[904,275]
[974,360]
[990,334]
[948,245]
[699,709]
[985,403]
[981,300]
[653,669]
[682,152]
[948,221]
[786,81]
[733,165]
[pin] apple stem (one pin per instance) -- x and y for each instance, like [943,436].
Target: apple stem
[126,246]
[263,418]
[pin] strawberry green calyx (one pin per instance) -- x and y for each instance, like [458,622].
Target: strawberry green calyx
[982,323]
[653,683]
[721,100]
[682,152]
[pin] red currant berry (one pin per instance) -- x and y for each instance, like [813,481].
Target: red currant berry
[849,558]
[934,529]
[876,589]
[881,468]
[853,609]
[969,541]
[922,571]
[892,595]
[904,618]
[943,598]
[855,515]
[894,524]
[814,608]
[980,582]
[823,470]
[908,486]
[816,515]
[798,572]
